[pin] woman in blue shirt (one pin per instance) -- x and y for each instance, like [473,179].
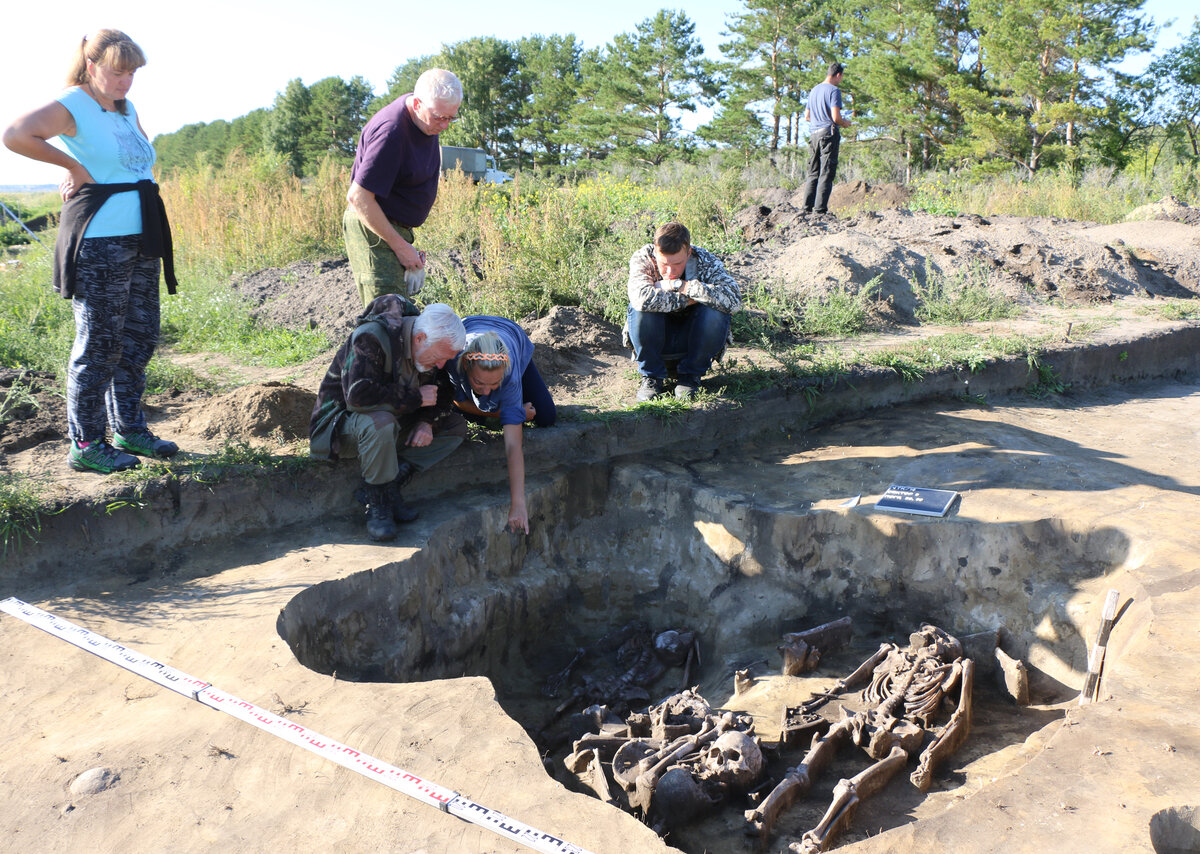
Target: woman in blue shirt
[494,377]
[107,258]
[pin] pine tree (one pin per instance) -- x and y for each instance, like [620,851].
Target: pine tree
[290,124]
[646,78]
[548,81]
[1042,61]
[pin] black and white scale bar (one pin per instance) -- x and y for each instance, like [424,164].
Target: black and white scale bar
[368,766]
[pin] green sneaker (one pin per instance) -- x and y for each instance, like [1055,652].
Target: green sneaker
[99,456]
[145,444]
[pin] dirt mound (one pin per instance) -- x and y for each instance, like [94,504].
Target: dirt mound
[569,339]
[304,295]
[31,411]
[1168,208]
[1028,259]
[857,195]
[263,410]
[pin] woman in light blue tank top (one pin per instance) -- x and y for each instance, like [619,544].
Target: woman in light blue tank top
[113,280]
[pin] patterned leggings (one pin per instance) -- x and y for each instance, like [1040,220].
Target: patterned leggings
[116,330]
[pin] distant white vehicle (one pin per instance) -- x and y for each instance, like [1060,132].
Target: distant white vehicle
[494,175]
[474,162]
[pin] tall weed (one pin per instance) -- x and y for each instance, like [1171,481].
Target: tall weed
[962,298]
[840,313]
[1097,194]
[253,213]
[527,246]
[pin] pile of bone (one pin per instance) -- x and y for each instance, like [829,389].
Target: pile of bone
[681,758]
[905,689]
[669,764]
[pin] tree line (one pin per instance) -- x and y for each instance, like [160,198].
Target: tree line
[929,84]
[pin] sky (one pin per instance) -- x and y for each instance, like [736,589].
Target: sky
[223,59]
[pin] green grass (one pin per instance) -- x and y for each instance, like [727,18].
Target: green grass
[1047,381]
[18,399]
[37,327]
[841,313]
[770,316]
[208,317]
[21,511]
[234,458]
[1174,309]
[27,206]
[962,298]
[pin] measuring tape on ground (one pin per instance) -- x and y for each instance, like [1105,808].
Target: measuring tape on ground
[204,692]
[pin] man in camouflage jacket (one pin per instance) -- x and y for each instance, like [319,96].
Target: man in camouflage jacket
[386,400]
[680,302]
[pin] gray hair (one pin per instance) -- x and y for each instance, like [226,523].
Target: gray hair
[438,86]
[439,323]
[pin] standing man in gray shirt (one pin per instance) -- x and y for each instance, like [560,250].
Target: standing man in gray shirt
[824,116]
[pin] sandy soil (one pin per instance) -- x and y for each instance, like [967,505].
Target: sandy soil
[179,778]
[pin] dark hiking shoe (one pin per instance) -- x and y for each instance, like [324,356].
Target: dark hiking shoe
[650,388]
[145,444]
[380,526]
[99,456]
[402,511]
[686,388]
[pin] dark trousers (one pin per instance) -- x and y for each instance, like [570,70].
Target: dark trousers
[533,390]
[822,165]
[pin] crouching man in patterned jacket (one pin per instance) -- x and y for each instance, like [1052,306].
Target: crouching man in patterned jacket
[387,401]
[680,302]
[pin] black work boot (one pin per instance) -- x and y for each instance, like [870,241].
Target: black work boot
[380,526]
[402,511]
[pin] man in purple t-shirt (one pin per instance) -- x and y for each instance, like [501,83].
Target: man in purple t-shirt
[824,116]
[394,183]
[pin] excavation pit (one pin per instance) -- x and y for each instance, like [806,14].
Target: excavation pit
[661,544]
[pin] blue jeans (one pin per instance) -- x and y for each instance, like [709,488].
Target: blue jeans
[694,335]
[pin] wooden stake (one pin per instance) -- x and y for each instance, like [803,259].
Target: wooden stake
[1091,685]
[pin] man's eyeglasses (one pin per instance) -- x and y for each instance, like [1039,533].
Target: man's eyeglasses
[447,119]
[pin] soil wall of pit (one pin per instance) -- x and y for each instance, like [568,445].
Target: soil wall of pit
[641,541]
[141,533]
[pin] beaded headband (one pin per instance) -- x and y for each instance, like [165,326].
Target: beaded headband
[486,357]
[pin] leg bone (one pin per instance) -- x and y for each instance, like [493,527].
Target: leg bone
[847,795]
[951,736]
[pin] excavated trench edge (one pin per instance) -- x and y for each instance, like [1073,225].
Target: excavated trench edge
[141,540]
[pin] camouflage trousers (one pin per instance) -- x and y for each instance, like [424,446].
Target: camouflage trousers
[116,329]
[377,270]
[380,443]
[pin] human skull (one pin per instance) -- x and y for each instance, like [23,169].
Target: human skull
[678,798]
[673,646]
[734,758]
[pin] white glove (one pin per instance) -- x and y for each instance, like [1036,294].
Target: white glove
[414,280]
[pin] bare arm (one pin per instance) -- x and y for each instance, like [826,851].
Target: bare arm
[28,137]
[367,207]
[836,114]
[518,516]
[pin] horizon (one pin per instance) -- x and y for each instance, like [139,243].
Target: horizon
[179,88]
